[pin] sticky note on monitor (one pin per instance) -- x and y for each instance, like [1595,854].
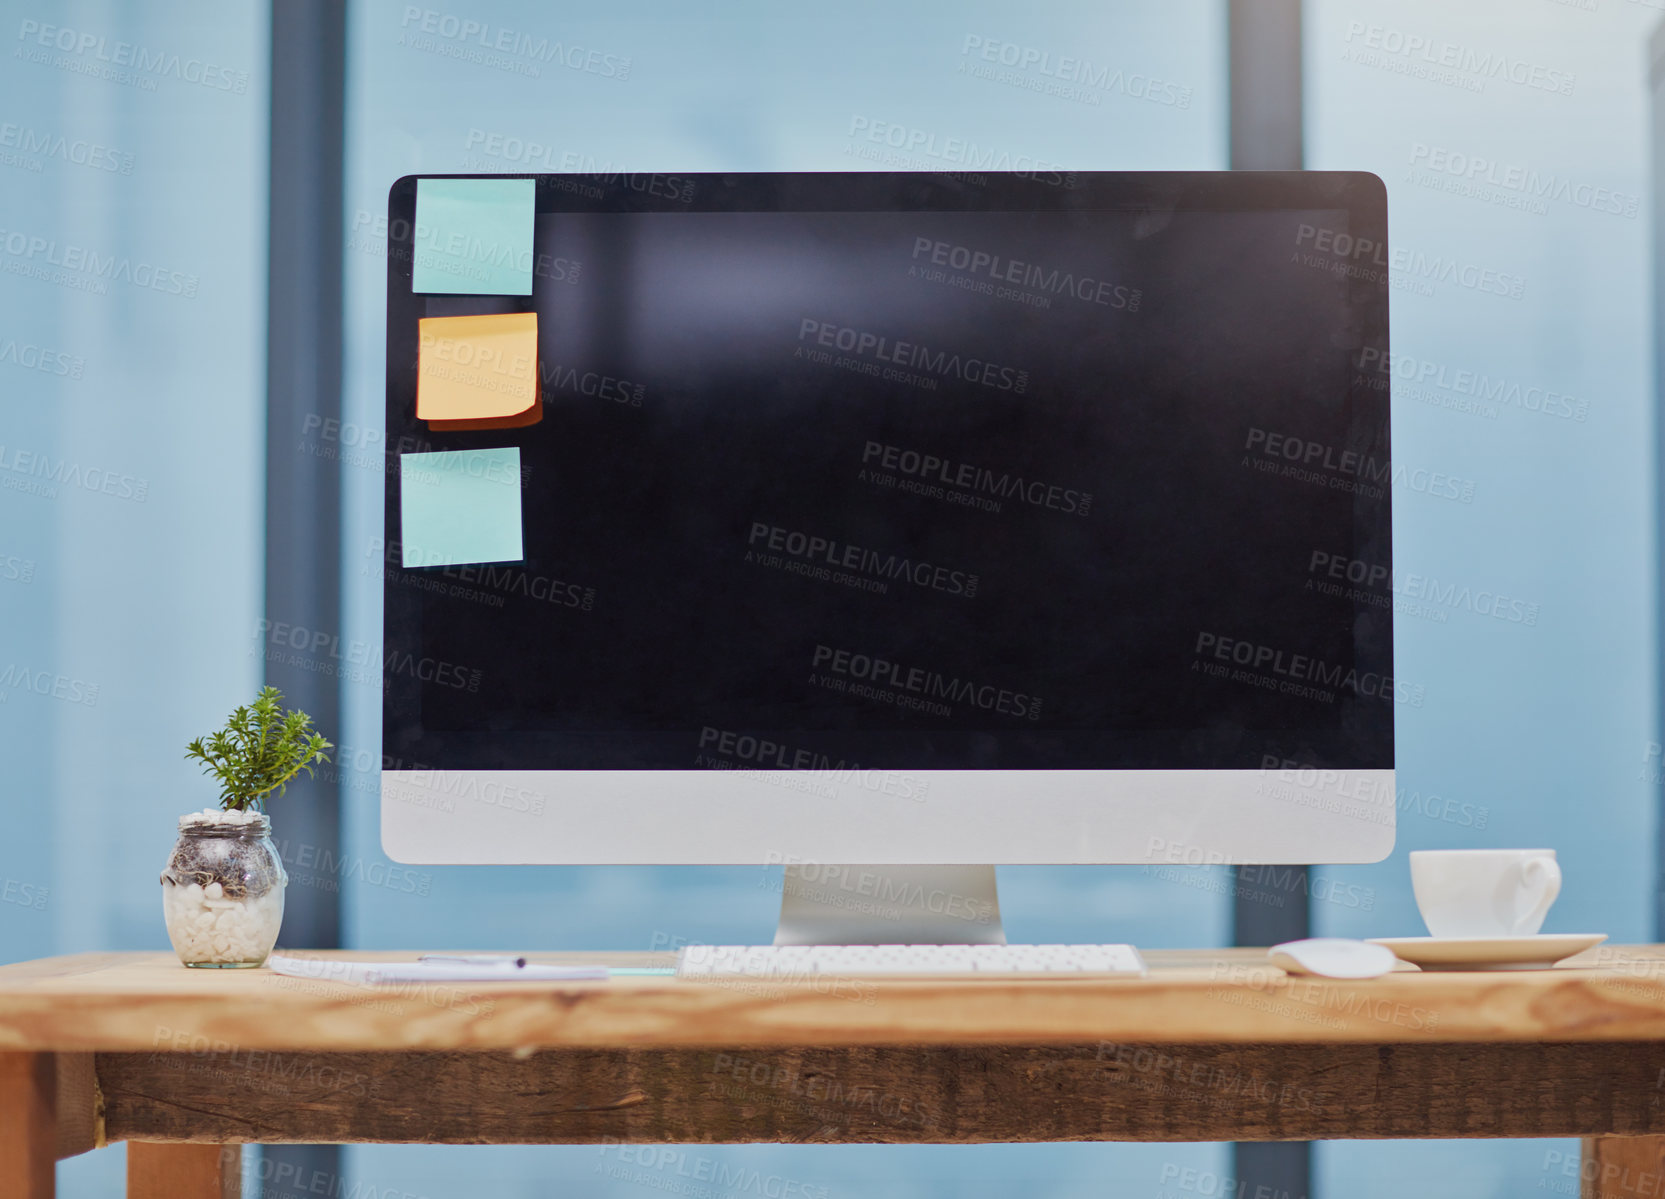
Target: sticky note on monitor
[474,236]
[478,371]
[531,416]
[460,506]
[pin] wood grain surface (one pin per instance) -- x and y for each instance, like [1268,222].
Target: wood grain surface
[133,1002]
[184,1171]
[80,1107]
[28,1125]
[1105,1091]
[1622,1168]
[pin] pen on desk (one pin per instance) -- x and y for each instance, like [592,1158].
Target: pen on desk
[476,959]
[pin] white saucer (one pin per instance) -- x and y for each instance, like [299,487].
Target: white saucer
[1489,953]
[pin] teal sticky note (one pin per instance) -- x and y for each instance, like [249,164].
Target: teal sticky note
[459,506]
[474,236]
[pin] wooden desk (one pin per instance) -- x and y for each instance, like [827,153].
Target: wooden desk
[1214,1045]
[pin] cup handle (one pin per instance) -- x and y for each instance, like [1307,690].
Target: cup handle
[1545,875]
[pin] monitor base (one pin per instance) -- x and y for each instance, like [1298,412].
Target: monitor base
[889,905]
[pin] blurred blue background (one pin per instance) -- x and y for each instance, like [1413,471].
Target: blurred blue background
[133,432]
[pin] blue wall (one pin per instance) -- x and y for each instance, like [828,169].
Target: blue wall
[1533,733]
[131,529]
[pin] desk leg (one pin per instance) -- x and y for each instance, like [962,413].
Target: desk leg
[1622,1168]
[183,1171]
[28,1125]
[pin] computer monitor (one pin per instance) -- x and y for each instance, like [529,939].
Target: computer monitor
[903,518]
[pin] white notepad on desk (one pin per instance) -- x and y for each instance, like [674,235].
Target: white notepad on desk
[372,973]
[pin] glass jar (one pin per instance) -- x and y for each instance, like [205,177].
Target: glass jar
[222,891]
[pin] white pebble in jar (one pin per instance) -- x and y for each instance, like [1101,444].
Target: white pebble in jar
[223,931]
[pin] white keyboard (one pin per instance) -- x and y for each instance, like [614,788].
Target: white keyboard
[788,962]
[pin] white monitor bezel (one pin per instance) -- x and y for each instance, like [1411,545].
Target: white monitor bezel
[1175,817]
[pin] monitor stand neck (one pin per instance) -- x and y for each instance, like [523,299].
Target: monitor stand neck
[889,905]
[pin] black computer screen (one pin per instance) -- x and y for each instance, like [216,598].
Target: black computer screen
[923,472]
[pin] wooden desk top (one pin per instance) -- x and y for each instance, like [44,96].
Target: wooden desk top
[116,1002]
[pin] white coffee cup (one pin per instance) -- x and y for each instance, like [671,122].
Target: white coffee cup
[1484,892]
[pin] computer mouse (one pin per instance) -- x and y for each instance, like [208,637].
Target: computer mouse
[1333,957]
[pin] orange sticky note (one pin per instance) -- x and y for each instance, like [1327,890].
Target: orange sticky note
[473,368]
[531,416]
